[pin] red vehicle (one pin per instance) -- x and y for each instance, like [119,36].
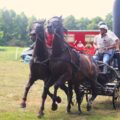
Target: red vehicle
[85,36]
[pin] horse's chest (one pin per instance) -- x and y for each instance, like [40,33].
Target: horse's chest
[58,68]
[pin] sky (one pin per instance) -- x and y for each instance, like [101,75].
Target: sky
[49,8]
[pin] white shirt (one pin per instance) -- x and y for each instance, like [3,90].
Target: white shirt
[80,45]
[108,40]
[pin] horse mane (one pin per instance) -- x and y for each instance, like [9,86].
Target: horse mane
[40,51]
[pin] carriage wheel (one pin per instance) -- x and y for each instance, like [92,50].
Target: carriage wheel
[116,98]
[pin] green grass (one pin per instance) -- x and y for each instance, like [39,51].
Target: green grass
[13,78]
[10,53]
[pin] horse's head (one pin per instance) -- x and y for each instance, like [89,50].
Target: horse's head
[38,35]
[37,29]
[54,24]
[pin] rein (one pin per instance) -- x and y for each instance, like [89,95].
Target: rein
[40,62]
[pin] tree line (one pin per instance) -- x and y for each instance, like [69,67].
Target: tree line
[15,28]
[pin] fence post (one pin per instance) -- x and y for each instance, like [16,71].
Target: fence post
[16,53]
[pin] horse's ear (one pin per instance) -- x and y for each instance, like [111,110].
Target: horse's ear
[60,17]
[48,21]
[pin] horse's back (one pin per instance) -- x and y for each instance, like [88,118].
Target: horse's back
[88,65]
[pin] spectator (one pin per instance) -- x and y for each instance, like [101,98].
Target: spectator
[80,44]
[80,47]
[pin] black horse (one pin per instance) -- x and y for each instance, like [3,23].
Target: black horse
[66,65]
[39,65]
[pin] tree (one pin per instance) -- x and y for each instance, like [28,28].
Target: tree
[1,37]
[70,22]
[14,28]
[94,23]
[82,23]
[108,20]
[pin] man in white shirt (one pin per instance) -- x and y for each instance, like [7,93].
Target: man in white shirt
[105,44]
[117,52]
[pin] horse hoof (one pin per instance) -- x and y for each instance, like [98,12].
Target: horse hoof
[79,112]
[68,110]
[58,99]
[89,108]
[40,115]
[23,105]
[54,107]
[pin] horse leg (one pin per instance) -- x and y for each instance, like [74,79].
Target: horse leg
[79,97]
[57,99]
[47,85]
[95,88]
[54,105]
[29,84]
[62,79]
[65,89]
[90,101]
[69,96]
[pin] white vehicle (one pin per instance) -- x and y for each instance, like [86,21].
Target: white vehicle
[26,55]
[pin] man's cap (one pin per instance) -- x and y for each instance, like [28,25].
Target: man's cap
[104,27]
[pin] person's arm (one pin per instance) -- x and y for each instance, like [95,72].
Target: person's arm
[110,47]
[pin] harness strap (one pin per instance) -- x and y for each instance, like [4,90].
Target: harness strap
[44,62]
[68,61]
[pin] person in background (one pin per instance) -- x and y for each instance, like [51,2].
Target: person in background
[105,44]
[80,46]
[88,45]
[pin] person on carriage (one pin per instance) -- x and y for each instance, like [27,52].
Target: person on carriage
[105,44]
[116,62]
[108,32]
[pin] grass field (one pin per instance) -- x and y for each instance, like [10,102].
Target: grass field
[13,78]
